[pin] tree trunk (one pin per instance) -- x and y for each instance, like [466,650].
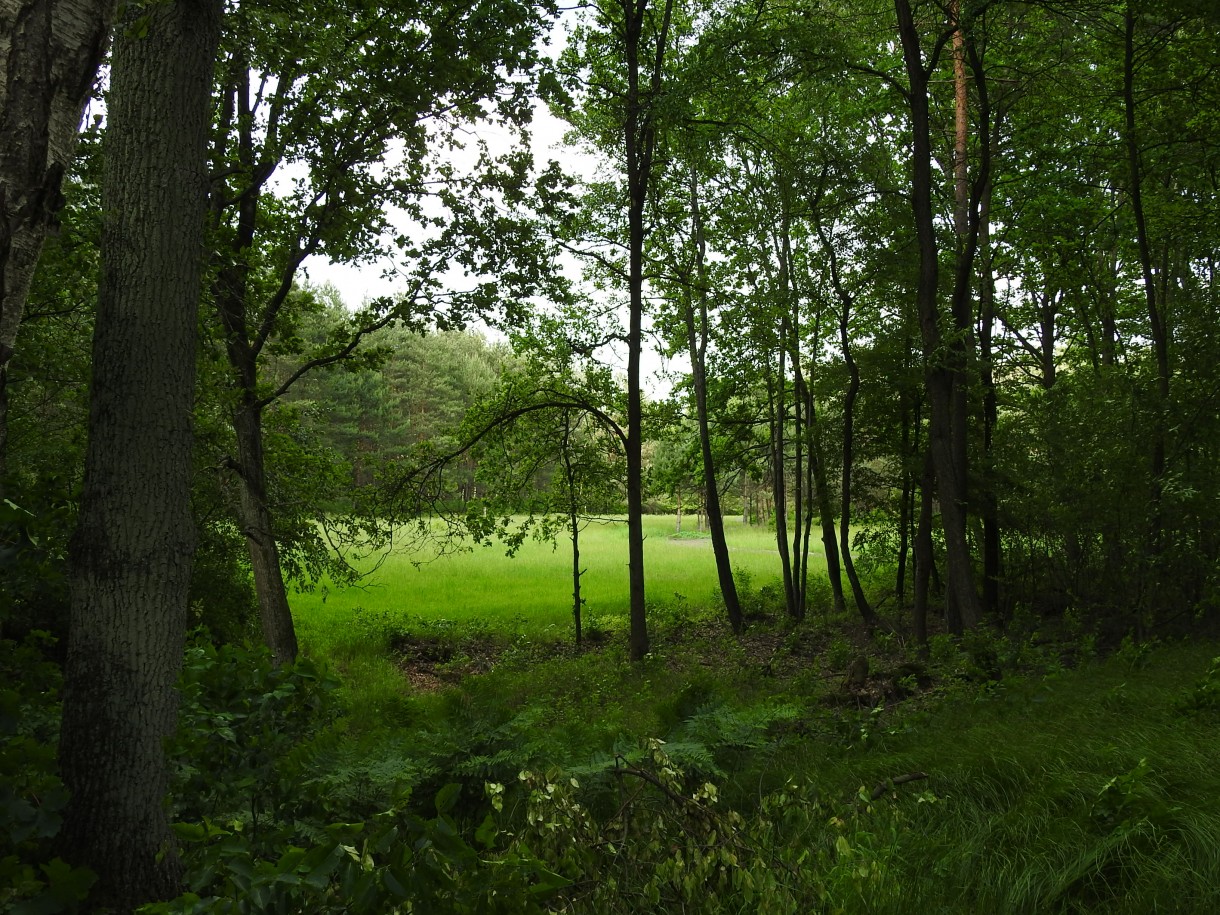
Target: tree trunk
[778,488]
[826,514]
[906,511]
[231,297]
[976,245]
[944,363]
[849,431]
[800,436]
[577,600]
[992,556]
[857,590]
[50,51]
[811,490]
[274,613]
[639,142]
[697,344]
[924,559]
[1157,315]
[131,553]
[802,404]
[696,341]
[573,526]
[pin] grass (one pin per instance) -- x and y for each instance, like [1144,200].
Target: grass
[1082,791]
[527,596]
[532,592]
[1054,790]
[1079,791]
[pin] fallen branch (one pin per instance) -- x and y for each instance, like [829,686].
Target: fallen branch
[894,782]
[682,800]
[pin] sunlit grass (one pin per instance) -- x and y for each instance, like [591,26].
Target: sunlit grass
[532,591]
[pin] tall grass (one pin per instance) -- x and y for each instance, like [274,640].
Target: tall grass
[1085,791]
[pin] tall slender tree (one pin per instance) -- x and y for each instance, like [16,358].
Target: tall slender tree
[946,353]
[620,57]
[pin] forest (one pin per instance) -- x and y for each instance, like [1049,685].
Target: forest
[793,490]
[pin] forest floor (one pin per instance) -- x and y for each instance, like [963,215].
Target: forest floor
[1027,772]
[1038,769]
[432,662]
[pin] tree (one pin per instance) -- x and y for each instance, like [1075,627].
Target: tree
[365,101]
[622,61]
[560,464]
[131,553]
[946,354]
[50,51]
[545,443]
[694,278]
[679,253]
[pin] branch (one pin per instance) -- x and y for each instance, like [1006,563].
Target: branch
[338,356]
[272,311]
[889,783]
[1012,329]
[560,402]
[646,776]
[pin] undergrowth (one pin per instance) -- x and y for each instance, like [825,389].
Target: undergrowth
[721,776]
[716,776]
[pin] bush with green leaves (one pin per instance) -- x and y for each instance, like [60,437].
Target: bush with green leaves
[240,720]
[670,844]
[276,816]
[394,862]
[1205,696]
[32,797]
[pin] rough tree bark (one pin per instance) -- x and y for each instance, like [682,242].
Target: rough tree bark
[50,51]
[131,553]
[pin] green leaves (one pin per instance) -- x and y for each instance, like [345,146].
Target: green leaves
[32,797]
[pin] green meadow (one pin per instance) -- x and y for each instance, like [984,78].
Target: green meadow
[531,592]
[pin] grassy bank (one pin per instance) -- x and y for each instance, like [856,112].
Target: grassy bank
[1069,784]
[526,596]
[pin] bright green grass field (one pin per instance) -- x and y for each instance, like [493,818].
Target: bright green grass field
[533,590]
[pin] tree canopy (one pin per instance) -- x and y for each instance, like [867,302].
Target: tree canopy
[938,279]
